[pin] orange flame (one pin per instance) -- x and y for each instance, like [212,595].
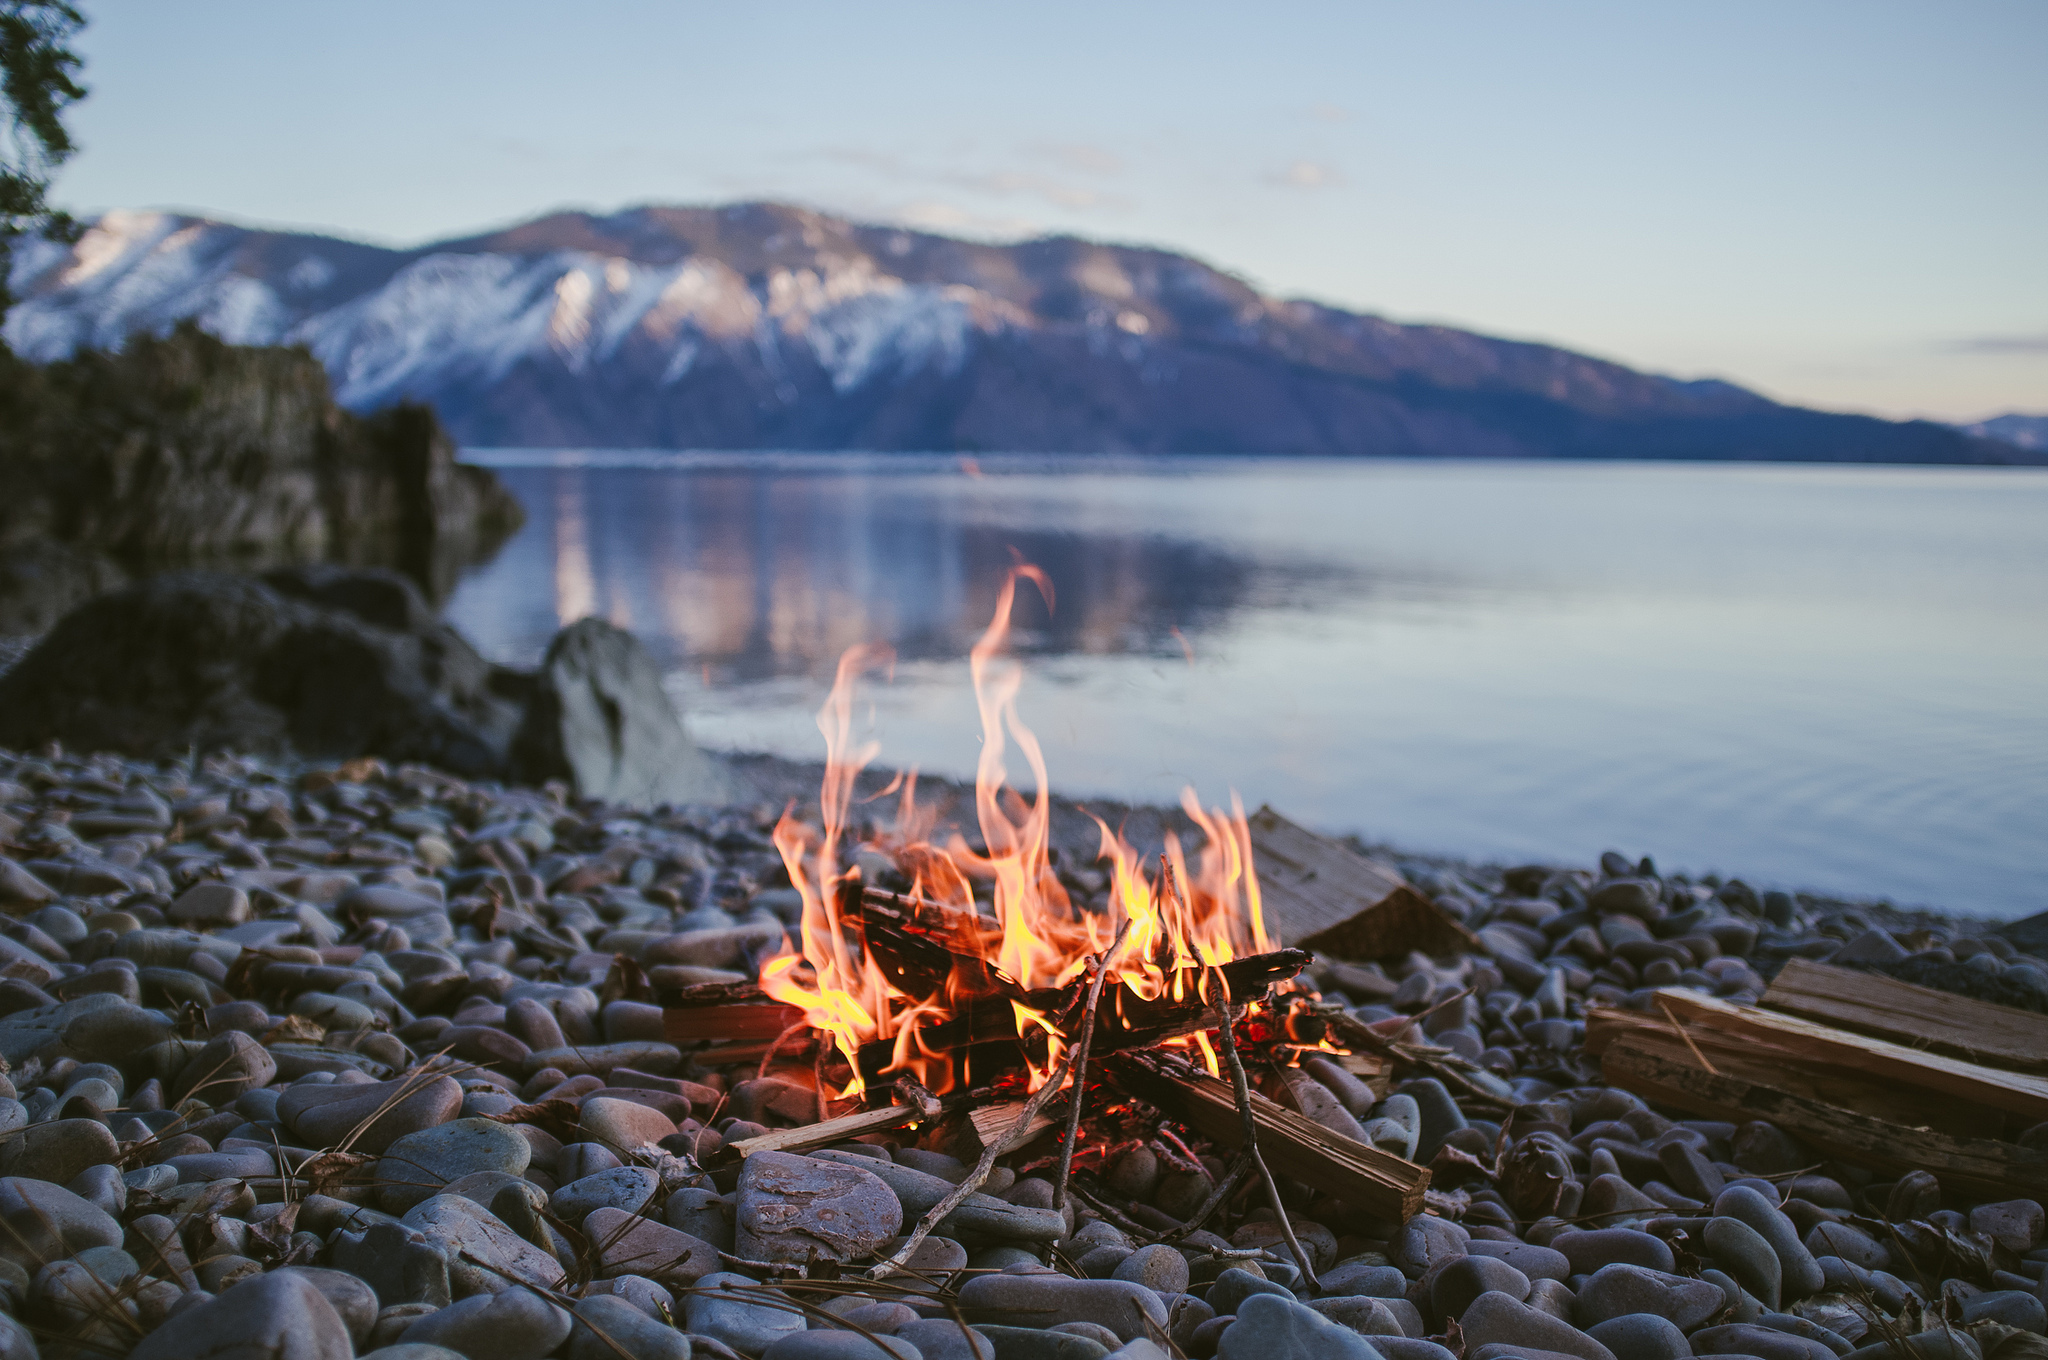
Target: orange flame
[1182,919]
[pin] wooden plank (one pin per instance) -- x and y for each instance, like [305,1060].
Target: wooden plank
[827,1133]
[1669,1075]
[1379,1183]
[2023,1095]
[1919,1017]
[1317,894]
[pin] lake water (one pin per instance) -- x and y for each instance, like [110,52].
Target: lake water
[1833,678]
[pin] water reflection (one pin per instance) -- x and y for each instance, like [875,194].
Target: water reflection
[1818,677]
[763,574]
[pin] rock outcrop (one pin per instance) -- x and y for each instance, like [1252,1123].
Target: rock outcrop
[600,719]
[187,450]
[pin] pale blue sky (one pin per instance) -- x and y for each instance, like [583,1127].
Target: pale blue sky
[1844,204]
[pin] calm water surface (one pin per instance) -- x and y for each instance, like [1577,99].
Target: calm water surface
[1831,678]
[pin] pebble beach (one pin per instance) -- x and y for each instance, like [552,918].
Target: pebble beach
[311,1063]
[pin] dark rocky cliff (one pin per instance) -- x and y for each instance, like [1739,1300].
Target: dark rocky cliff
[187,450]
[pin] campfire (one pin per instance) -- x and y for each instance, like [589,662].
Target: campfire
[932,973]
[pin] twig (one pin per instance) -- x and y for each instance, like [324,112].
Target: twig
[1219,997]
[1225,1188]
[979,1175]
[1080,1063]
[1687,1037]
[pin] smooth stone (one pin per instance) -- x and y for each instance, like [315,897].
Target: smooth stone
[1617,1291]
[733,1318]
[514,1325]
[1642,1336]
[1499,1318]
[979,1215]
[1158,1267]
[407,1350]
[42,1222]
[354,1302]
[643,1293]
[1033,1343]
[1457,1283]
[1798,1274]
[2013,1307]
[1588,1251]
[791,1208]
[630,1245]
[398,1263]
[1809,1328]
[598,1059]
[1409,1348]
[210,904]
[1439,1113]
[1269,1327]
[1849,1244]
[321,1116]
[1538,1263]
[1935,1345]
[1234,1286]
[622,1124]
[940,1339]
[1424,1241]
[1039,1300]
[416,1167]
[1766,1343]
[60,1150]
[824,1345]
[1742,1251]
[605,1324]
[703,1214]
[1318,1241]
[230,1065]
[627,1187]
[883,1318]
[279,1316]
[504,1259]
[2015,1224]
[1366,1316]
[1375,1281]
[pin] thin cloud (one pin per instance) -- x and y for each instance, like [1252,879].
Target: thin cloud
[1329,113]
[1082,157]
[2000,344]
[1306,175]
[1050,189]
[953,220]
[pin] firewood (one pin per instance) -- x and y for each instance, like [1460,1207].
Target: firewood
[1296,1147]
[739,1021]
[1318,894]
[1919,1017]
[828,1132]
[1658,1068]
[995,1121]
[1874,1076]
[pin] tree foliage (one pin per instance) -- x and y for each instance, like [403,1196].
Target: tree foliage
[37,83]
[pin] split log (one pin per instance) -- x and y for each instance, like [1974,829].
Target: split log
[1919,1017]
[1660,1069]
[995,1121]
[1856,1071]
[1832,1068]
[1318,894]
[1296,1147]
[828,1132]
[741,1022]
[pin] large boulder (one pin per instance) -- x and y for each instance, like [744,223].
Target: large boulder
[319,662]
[600,719]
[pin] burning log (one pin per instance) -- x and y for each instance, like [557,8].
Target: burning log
[1297,1147]
[1122,1021]
[829,1131]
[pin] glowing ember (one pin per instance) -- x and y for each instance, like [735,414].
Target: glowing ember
[1184,917]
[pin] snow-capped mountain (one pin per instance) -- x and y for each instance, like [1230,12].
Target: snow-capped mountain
[765,326]
[2021,431]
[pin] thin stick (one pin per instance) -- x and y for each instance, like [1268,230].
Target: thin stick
[979,1175]
[1225,1188]
[1220,998]
[1687,1037]
[1080,1065]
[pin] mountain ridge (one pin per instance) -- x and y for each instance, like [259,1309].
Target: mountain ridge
[757,325]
